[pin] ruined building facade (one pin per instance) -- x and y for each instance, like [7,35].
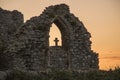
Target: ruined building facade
[25,46]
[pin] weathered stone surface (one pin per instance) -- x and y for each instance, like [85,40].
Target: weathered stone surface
[57,58]
[25,46]
[3,75]
[10,21]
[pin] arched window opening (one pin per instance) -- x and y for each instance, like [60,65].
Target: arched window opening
[55,36]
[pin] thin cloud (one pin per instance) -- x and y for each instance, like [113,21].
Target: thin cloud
[112,57]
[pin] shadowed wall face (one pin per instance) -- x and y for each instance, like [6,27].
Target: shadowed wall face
[10,21]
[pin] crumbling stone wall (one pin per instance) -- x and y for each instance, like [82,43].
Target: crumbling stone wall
[29,46]
[57,58]
[10,21]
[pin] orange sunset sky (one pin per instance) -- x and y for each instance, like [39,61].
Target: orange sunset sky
[100,17]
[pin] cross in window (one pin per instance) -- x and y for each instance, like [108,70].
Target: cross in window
[56,41]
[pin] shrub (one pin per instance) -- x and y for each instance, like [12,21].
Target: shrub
[66,75]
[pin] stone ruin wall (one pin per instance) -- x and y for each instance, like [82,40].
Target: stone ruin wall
[10,21]
[57,58]
[27,47]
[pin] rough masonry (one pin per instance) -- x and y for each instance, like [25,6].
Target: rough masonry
[25,46]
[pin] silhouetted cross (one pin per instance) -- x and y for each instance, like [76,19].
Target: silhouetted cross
[56,41]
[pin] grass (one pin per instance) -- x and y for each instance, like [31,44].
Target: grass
[66,75]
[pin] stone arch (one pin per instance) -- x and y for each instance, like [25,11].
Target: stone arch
[33,39]
[65,31]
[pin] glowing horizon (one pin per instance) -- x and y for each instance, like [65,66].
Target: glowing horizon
[100,17]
